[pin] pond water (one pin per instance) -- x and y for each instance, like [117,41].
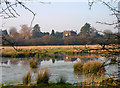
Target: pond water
[14,71]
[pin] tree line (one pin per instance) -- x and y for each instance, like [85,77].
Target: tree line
[33,37]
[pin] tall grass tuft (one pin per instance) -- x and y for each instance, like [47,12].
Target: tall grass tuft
[43,77]
[27,78]
[94,67]
[33,63]
[78,67]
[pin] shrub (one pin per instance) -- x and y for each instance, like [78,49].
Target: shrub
[61,80]
[78,67]
[27,78]
[94,67]
[33,63]
[43,77]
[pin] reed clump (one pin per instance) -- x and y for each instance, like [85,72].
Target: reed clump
[27,78]
[94,67]
[33,63]
[78,67]
[43,77]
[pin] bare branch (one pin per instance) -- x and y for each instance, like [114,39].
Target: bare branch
[32,20]
[14,9]
[112,9]
[90,4]
[8,7]
[10,11]
[108,23]
[28,10]
[6,13]
[11,44]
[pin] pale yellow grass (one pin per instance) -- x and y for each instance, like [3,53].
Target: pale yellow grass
[52,47]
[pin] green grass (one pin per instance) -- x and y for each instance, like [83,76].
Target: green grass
[106,83]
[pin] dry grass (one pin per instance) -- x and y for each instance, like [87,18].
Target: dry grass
[43,76]
[33,63]
[92,80]
[27,78]
[90,67]
[94,67]
[52,47]
[78,67]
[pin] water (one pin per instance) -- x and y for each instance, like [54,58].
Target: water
[60,66]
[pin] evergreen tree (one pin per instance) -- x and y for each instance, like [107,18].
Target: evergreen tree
[53,33]
[85,30]
[36,31]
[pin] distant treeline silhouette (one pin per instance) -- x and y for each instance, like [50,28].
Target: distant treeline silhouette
[33,37]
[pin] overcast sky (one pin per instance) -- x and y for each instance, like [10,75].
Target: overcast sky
[62,16]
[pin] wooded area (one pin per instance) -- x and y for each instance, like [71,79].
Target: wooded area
[33,36]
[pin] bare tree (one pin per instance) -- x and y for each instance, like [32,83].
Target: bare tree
[116,13]
[8,9]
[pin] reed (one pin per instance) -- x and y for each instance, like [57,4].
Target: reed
[33,63]
[78,67]
[94,67]
[27,78]
[43,77]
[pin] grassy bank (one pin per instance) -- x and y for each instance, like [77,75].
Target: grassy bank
[106,83]
[53,51]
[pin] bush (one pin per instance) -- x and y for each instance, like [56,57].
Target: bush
[94,67]
[27,78]
[33,63]
[43,77]
[78,67]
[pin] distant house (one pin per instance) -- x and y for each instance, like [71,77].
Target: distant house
[70,58]
[4,33]
[69,34]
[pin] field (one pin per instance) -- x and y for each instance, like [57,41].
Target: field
[52,47]
[31,51]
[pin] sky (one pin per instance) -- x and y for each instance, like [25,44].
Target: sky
[62,16]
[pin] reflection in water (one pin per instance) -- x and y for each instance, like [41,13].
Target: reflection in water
[53,61]
[5,63]
[61,65]
[0,75]
[72,59]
